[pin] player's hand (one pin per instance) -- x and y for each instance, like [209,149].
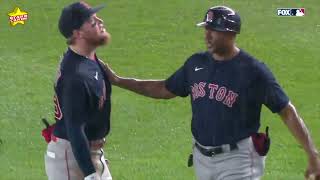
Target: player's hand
[313,171]
[112,76]
[93,176]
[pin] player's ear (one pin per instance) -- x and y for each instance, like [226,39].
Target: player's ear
[77,33]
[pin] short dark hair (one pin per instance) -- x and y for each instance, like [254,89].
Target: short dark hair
[70,40]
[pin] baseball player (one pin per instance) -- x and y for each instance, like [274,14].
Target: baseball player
[82,100]
[227,87]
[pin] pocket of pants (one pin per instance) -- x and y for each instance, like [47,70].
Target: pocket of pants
[49,164]
[56,166]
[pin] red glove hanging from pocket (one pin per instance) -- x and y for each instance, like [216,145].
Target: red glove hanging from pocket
[47,132]
[261,142]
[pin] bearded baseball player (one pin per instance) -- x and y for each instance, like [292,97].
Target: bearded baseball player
[82,100]
[227,88]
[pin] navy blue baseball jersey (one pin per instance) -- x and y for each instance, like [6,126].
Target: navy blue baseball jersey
[82,105]
[226,96]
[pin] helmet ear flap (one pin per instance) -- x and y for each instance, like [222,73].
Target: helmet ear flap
[231,25]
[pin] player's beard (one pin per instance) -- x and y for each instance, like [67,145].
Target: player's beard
[100,39]
[104,39]
[212,45]
[221,50]
[215,47]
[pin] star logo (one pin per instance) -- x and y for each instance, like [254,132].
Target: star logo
[17,16]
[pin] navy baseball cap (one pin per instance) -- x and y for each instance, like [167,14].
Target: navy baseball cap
[222,18]
[74,15]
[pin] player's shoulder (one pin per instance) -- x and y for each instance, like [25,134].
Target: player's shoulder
[197,57]
[256,65]
[74,66]
[202,55]
[70,61]
[250,60]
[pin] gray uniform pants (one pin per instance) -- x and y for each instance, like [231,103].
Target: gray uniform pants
[243,163]
[60,163]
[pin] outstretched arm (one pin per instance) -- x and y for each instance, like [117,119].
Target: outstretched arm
[150,88]
[299,130]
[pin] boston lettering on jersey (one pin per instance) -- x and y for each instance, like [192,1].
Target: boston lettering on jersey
[216,92]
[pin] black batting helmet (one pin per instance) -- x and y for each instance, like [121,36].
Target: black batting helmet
[222,18]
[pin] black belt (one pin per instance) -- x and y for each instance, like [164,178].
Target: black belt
[214,150]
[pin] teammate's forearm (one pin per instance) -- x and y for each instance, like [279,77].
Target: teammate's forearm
[149,88]
[298,128]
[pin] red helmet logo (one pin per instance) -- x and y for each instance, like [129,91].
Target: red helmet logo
[209,16]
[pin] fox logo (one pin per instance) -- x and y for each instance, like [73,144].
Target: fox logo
[290,11]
